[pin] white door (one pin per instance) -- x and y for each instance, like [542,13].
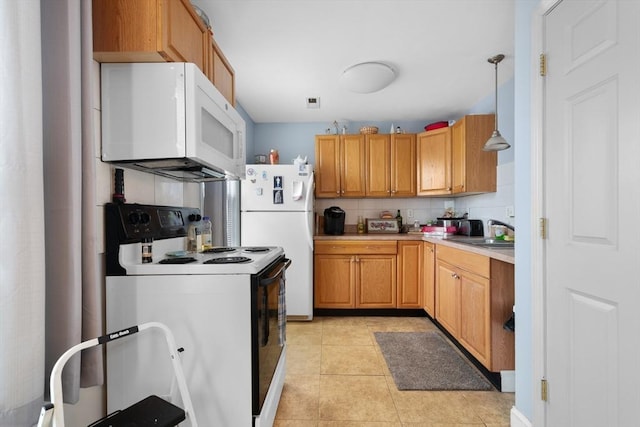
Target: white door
[592,199]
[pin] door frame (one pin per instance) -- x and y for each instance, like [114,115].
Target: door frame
[538,285]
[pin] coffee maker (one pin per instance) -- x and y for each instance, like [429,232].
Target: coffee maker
[334,220]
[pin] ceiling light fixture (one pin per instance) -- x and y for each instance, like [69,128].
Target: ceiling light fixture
[496,142]
[367,77]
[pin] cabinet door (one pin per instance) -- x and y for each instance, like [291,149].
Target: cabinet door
[352,166]
[334,281]
[473,170]
[429,277]
[434,162]
[410,276]
[181,31]
[376,281]
[223,77]
[327,169]
[378,165]
[403,165]
[125,31]
[475,316]
[458,175]
[448,297]
[148,31]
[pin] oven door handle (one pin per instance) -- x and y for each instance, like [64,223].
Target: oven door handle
[273,276]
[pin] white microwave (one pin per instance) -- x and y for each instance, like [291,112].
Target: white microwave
[170,120]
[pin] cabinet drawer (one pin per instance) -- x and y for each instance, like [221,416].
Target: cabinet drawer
[478,264]
[353,247]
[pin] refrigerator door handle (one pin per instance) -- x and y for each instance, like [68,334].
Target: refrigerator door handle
[309,210]
[308,202]
[309,224]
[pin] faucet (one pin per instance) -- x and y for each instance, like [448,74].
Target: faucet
[491,222]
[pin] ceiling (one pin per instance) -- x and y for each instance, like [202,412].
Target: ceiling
[285,51]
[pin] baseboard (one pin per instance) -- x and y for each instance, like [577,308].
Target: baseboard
[519,420]
[395,312]
[508,381]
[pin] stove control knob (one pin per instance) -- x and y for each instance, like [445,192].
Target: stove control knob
[194,217]
[134,218]
[144,218]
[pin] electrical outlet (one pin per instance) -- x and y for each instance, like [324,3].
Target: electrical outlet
[409,213]
[509,212]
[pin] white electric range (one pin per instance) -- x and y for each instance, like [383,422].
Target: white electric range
[225,307]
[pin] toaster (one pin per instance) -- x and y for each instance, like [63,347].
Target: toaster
[471,228]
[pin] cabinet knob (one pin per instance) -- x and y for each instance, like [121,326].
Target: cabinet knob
[455,276]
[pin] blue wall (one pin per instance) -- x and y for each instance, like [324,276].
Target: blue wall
[293,139]
[522,115]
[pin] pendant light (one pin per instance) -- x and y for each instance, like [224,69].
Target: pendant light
[496,142]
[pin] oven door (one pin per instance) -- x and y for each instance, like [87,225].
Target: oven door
[269,328]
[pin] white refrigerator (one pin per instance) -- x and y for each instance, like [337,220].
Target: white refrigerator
[276,209]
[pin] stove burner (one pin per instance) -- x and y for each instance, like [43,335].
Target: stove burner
[217,250]
[178,260]
[228,260]
[257,249]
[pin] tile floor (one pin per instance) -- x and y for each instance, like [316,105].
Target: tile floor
[337,377]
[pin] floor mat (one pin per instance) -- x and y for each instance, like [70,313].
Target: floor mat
[427,361]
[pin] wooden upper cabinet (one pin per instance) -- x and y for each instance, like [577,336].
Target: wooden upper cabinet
[352,168]
[434,162]
[327,168]
[148,31]
[159,31]
[403,165]
[451,160]
[221,73]
[391,165]
[340,166]
[473,170]
[378,169]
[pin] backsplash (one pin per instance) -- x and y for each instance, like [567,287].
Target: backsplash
[423,209]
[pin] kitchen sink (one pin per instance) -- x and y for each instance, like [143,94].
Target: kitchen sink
[492,243]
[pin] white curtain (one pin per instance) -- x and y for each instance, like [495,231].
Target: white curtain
[22,257]
[50,282]
[74,308]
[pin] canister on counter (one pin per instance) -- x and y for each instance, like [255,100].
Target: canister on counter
[147,250]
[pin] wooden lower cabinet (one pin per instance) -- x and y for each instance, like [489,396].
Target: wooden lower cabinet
[410,274]
[474,297]
[335,281]
[375,281]
[429,278]
[355,274]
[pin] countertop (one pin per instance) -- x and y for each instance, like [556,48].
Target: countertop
[458,242]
